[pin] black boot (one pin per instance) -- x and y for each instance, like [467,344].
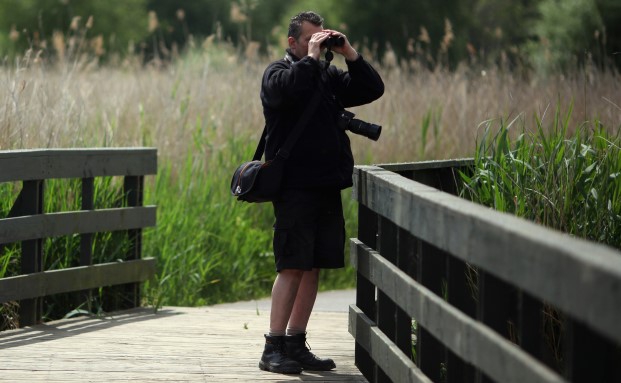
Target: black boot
[275,358]
[297,350]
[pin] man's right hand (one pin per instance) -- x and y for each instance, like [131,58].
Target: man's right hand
[314,45]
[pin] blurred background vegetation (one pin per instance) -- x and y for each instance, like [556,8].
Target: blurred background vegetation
[545,35]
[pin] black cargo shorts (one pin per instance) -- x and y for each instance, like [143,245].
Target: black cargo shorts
[310,230]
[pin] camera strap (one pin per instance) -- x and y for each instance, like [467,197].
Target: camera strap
[285,150]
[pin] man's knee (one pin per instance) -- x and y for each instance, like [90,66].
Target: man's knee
[291,274]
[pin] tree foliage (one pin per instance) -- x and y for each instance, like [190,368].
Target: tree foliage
[610,11]
[546,34]
[567,32]
[47,25]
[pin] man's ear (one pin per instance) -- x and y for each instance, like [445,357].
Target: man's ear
[292,42]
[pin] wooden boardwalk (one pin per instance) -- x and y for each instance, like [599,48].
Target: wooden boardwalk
[177,344]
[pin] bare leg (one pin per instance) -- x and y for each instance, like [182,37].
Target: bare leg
[274,357]
[304,300]
[284,295]
[296,331]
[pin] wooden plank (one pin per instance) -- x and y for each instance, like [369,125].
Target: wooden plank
[386,354]
[200,344]
[442,175]
[74,279]
[39,164]
[426,165]
[587,276]
[78,222]
[470,340]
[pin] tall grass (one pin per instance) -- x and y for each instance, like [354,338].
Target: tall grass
[210,248]
[567,181]
[203,114]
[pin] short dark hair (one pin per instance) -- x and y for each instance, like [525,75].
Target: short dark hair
[295,26]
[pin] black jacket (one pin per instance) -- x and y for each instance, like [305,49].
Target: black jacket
[321,158]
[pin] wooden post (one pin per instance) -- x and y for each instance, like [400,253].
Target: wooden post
[497,309]
[406,261]
[589,357]
[530,328]
[460,295]
[431,354]
[30,202]
[386,308]
[365,290]
[86,239]
[134,194]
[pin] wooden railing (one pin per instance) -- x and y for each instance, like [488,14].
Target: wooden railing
[451,291]
[28,223]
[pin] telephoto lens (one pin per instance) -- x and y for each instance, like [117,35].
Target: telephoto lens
[367,129]
[346,121]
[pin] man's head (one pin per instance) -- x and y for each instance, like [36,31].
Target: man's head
[295,26]
[301,28]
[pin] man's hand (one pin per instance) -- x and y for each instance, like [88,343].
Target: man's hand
[346,50]
[315,48]
[314,45]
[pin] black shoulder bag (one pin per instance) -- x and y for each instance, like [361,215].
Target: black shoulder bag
[258,181]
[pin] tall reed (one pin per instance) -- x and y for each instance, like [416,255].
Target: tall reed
[567,178]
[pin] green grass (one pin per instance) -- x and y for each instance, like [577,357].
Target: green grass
[210,248]
[558,175]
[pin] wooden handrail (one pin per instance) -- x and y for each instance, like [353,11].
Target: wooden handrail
[42,164]
[78,222]
[29,224]
[75,279]
[418,246]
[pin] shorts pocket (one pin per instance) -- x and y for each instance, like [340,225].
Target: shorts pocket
[282,234]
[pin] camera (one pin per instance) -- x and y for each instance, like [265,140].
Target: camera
[346,121]
[333,41]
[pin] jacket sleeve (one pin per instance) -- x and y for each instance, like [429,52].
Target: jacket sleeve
[360,85]
[285,84]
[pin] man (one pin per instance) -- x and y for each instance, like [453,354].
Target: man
[309,232]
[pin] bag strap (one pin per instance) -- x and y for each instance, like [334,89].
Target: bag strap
[285,150]
[258,153]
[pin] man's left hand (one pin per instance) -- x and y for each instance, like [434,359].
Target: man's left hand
[346,50]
